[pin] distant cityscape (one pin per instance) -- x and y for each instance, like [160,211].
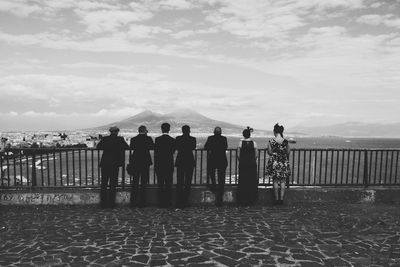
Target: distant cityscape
[48,139]
[201,126]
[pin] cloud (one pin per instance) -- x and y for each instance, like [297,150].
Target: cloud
[316,55]
[109,20]
[190,33]
[10,113]
[32,113]
[269,19]
[19,8]
[137,31]
[120,42]
[372,19]
[388,20]
[177,4]
[86,64]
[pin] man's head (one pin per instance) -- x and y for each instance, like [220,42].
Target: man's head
[114,130]
[165,127]
[142,129]
[186,129]
[217,130]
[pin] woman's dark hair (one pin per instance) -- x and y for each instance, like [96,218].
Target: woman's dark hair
[279,129]
[247,132]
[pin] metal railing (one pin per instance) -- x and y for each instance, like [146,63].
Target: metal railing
[77,167]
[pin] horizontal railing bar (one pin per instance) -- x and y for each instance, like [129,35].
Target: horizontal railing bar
[202,149]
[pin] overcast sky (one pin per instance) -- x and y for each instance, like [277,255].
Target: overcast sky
[73,64]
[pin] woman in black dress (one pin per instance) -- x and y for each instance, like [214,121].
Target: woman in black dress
[248,182]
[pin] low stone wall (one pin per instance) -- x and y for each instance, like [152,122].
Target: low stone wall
[201,196]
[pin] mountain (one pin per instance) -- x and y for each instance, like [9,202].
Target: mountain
[198,123]
[353,129]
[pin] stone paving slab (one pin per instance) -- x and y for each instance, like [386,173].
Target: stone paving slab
[295,235]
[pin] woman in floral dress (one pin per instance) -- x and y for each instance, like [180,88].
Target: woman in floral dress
[278,163]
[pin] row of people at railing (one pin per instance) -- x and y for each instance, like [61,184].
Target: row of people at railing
[114,147]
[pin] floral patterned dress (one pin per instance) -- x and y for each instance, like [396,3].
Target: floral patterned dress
[278,166]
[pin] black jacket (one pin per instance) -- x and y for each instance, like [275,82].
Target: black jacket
[164,149]
[185,144]
[141,145]
[113,151]
[216,146]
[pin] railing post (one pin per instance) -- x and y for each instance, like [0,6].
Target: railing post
[33,169]
[288,178]
[365,168]
[1,169]
[123,172]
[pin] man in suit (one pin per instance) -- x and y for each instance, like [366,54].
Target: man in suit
[185,163]
[141,160]
[164,149]
[113,157]
[216,146]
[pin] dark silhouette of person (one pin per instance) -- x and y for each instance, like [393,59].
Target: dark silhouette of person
[248,182]
[164,149]
[185,163]
[141,161]
[113,157]
[216,146]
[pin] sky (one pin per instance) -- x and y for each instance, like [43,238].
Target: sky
[78,64]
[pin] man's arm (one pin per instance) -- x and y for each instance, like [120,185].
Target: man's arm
[100,145]
[132,144]
[173,145]
[156,147]
[124,144]
[151,143]
[207,144]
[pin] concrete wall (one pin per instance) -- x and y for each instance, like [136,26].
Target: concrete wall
[199,195]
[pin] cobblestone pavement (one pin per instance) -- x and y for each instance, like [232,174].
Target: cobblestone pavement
[300,235]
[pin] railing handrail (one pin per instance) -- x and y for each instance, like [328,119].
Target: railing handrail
[203,149]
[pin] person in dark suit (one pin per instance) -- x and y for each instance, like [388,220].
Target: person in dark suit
[141,161]
[113,157]
[185,144]
[164,149]
[216,146]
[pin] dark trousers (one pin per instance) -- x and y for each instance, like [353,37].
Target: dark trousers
[109,181]
[138,197]
[184,183]
[164,181]
[221,183]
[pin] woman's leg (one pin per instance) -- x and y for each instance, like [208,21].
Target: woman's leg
[282,189]
[276,190]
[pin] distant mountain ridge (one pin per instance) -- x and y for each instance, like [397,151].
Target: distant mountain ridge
[352,129]
[197,122]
